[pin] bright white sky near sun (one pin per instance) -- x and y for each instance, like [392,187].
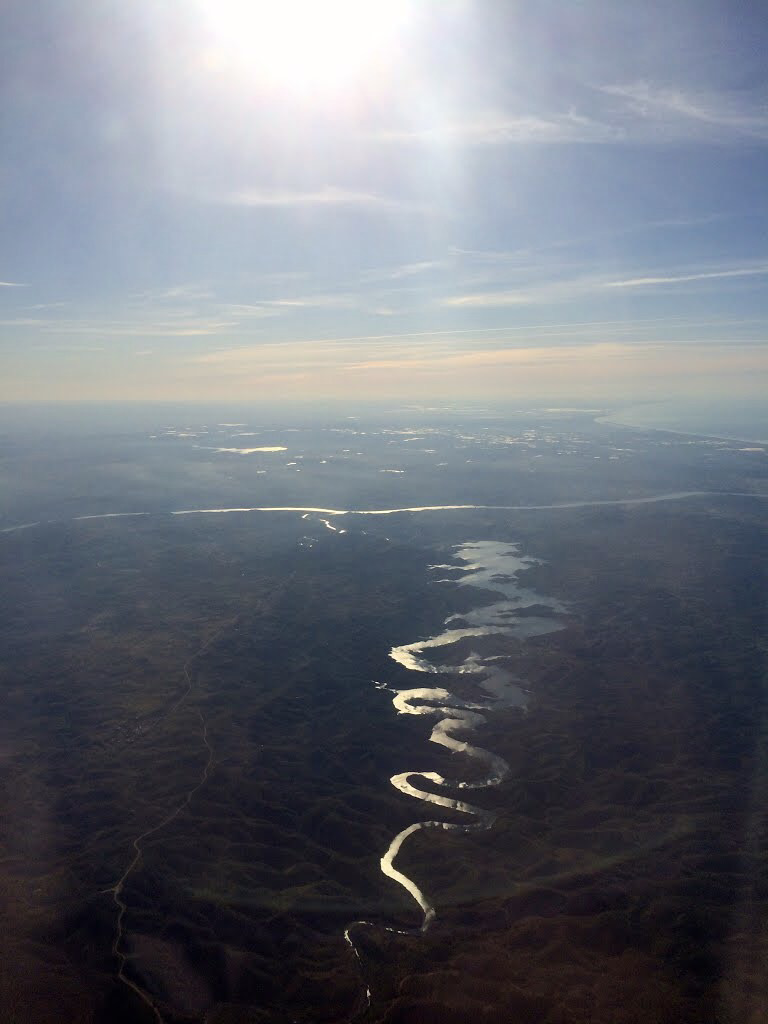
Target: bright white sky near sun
[222,199]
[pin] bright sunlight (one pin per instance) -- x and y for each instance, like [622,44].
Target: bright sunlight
[304,46]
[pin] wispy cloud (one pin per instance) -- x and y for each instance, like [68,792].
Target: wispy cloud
[328,196]
[597,365]
[13,284]
[488,357]
[489,300]
[493,128]
[188,291]
[280,306]
[403,270]
[553,289]
[25,321]
[141,327]
[200,301]
[653,103]
[277,357]
[641,282]
[340,301]
[489,255]
[633,112]
[72,348]
[537,285]
[331,196]
[403,363]
[155,314]
[467,345]
[248,311]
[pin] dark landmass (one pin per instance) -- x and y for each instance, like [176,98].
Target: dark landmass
[214,675]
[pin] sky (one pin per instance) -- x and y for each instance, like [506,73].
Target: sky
[222,199]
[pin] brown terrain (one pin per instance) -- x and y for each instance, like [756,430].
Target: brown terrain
[208,686]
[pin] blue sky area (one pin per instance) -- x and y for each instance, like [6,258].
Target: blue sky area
[232,200]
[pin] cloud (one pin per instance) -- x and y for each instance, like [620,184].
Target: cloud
[327,196]
[78,348]
[149,315]
[534,290]
[494,128]
[183,327]
[188,291]
[13,284]
[525,355]
[489,300]
[276,307]
[353,350]
[656,103]
[415,365]
[275,358]
[26,321]
[249,311]
[564,289]
[645,112]
[403,270]
[489,255]
[640,282]
[340,301]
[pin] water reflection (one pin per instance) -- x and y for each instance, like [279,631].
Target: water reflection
[488,566]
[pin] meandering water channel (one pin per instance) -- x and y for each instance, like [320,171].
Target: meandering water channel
[486,685]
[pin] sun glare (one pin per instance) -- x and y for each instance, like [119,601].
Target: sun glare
[302,46]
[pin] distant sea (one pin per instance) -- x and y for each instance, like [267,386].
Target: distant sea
[745,419]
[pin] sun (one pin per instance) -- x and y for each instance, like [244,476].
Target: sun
[304,46]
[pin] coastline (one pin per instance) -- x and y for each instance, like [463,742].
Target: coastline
[613,422]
